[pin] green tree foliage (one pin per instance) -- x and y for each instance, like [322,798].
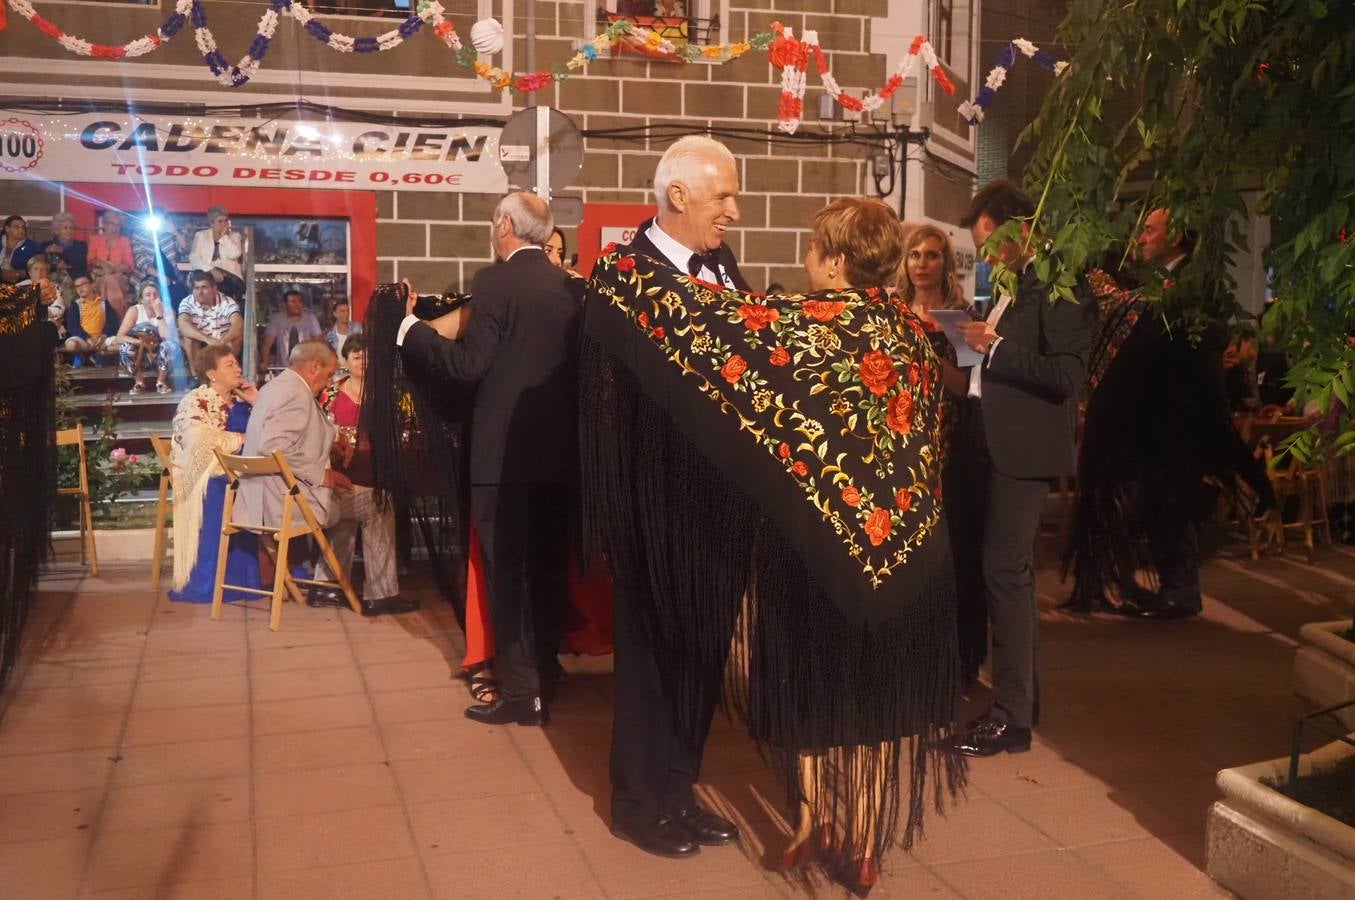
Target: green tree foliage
[1209,108]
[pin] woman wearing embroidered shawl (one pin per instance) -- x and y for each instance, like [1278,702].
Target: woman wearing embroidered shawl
[209,418]
[782,453]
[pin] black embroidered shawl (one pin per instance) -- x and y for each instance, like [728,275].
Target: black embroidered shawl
[765,472]
[27,464]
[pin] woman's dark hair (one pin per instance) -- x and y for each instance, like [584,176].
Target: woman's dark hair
[564,244]
[208,358]
[355,343]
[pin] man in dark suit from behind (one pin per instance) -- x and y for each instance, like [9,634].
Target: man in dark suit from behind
[520,349]
[656,759]
[1023,397]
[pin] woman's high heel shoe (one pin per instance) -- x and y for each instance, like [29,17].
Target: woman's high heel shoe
[861,876]
[797,856]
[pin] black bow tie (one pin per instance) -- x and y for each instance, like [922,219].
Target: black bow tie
[707,260]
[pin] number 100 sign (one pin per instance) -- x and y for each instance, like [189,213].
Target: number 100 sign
[21,145]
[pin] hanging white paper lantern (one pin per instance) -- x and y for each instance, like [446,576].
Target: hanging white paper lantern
[487,37]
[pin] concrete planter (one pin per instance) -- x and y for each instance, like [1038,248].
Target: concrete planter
[1324,667]
[114,544]
[1263,845]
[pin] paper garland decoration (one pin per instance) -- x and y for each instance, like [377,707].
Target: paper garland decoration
[785,52]
[974,110]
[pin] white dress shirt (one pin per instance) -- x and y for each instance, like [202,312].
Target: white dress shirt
[408,321]
[680,255]
[994,316]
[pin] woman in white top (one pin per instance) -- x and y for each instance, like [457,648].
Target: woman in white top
[144,341]
[217,249]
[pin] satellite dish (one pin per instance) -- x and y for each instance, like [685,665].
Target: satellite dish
[540,141]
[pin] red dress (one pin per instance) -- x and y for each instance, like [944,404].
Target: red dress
[588,621]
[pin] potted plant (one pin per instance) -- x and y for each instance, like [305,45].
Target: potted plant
[1286,827]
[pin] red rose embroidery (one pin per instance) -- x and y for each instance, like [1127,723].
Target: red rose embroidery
[609,249]
[878,373]
[800,469]
[780,356]
[851,496]
[914,373]
[878,526]
[756,317]
[903,500]
[734,369]
[625,263]
[823,310]
[899,416]
[784,450]
[659,333]
[643,319]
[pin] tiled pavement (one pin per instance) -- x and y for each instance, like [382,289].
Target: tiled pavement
[148,752]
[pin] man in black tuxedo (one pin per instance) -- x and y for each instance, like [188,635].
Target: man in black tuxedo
[655,760]
[1023,398]
[520,348]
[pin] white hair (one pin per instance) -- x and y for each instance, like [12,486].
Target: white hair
[530,215]
[685,160]
[314,350]
[215,212]
[62,217]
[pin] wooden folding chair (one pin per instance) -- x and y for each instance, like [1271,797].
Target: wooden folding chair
[162,508]
[67,437]
[294,506]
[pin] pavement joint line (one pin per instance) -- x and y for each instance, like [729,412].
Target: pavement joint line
[253,789]
[1323,571]
[385,751]
[1306,596]
[550,801]
[96,827]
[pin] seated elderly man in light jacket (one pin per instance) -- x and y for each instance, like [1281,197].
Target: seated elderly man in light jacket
[287,417]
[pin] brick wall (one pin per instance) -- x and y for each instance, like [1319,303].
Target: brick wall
[441,241]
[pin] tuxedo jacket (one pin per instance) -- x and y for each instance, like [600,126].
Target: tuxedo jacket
[520,350]
[1031,381]
[728,266]
[287,417]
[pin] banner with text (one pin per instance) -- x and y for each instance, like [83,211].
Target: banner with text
[241,153]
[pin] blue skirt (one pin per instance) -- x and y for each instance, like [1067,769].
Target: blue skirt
[242,555]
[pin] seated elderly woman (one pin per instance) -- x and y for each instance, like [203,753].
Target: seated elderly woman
[145,343]
[210,417]
[110,259]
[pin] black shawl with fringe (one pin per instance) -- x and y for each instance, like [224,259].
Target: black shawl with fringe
[27,464]
[417,426]
[1158,445]
[771,467]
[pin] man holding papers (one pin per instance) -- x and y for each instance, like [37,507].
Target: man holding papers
[1023,399]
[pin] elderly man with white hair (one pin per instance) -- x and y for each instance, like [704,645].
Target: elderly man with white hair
[656,758]
[520,350]
[286,417]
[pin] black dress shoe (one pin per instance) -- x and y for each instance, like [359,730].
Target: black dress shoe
[389,606]
[503,711]
[318,598]
[988,737]
[662,837]
[706,828]
[1165,609]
